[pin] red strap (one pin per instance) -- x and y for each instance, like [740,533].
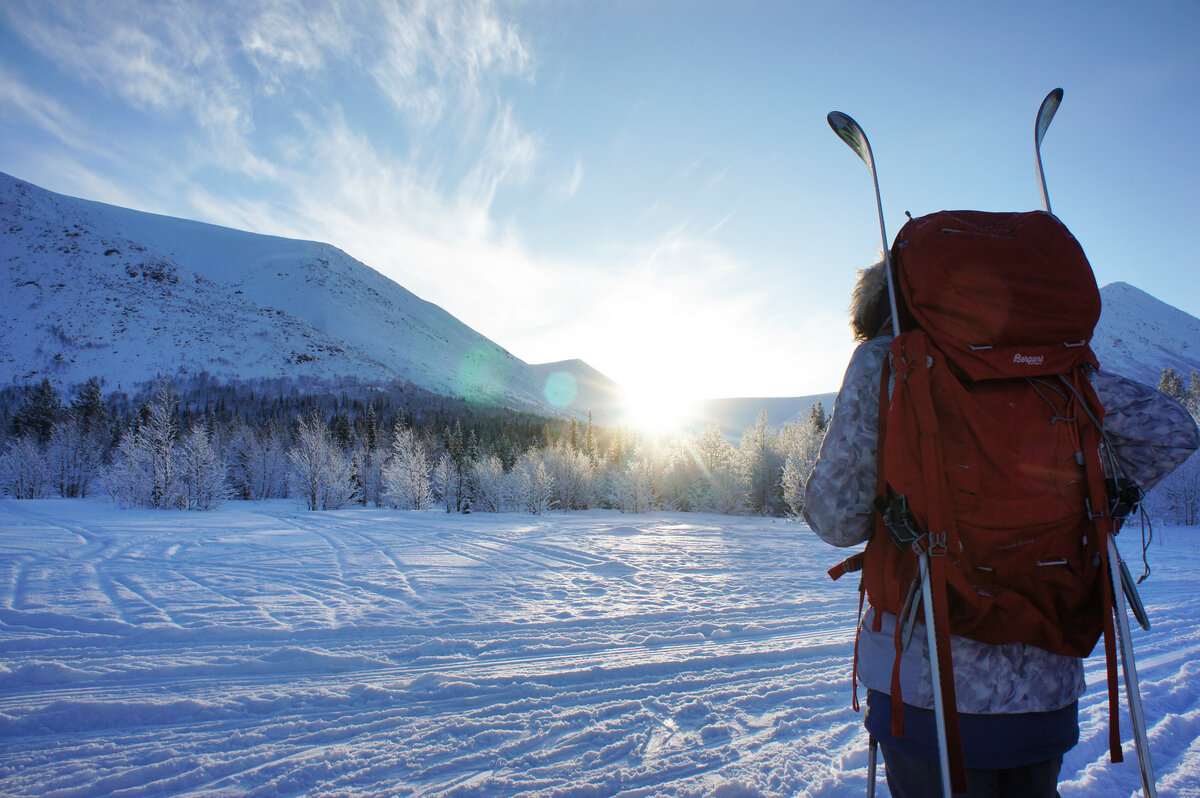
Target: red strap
[897,697]
[862,593]
[941,621]
[848,566]
[943,533]
[1102,526]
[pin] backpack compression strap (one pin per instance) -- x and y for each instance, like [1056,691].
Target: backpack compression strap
[1102,523]
[942,533]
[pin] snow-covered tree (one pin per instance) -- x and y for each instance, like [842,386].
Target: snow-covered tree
[143,469]
[635,487]
[489,485]
[1177,498]
[202,476]
[258,461]
[322,475]
[533,485]
[573,473]
[23,472]
[128,479]
[801,441]
[74,456]
[447,486]
[368,466]
[156,435]
[406,476]
[762,463]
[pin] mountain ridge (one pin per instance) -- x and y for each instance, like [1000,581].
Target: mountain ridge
[316,310]
[100,290]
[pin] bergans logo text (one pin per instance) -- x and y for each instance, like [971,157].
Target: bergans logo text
[1028,360]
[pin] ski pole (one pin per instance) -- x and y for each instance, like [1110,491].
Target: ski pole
[935,675]
[872,759]
[1133,692]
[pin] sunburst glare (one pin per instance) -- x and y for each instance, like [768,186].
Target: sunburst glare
[655,411]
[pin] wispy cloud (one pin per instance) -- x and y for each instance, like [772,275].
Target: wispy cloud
[44,112]
[386,129]
[436,57]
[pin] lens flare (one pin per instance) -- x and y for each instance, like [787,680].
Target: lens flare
[560,389]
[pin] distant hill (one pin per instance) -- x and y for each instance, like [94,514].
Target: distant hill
[94,289]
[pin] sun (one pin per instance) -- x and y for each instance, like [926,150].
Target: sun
[655,412]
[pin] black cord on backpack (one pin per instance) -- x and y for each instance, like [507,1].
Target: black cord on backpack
[1125,495]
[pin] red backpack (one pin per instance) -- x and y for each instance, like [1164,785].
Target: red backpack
[989,441]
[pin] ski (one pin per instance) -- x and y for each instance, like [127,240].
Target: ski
[1133,691]
[1045,115]
[852,133]
[855,138]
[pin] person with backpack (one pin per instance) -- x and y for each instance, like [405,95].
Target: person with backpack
[1016,702]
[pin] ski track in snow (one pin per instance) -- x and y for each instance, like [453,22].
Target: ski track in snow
[260,650]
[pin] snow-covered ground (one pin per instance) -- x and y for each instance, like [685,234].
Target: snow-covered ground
[263,650]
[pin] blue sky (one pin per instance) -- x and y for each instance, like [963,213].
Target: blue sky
[649,186]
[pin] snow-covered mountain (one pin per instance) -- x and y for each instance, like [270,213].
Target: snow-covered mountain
[1138,336]
[94,289]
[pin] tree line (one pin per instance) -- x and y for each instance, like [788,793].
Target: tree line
[1177,498]
[329,445]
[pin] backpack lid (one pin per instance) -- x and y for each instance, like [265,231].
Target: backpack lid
[1000,294]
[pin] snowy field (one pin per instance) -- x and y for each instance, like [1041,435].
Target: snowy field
[263,650]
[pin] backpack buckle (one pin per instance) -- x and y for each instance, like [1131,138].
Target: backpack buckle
[1123,497]
[937,545]
[901,522]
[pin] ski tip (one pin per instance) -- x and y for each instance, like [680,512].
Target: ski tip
[1046,113]
[850,132]
[840,121]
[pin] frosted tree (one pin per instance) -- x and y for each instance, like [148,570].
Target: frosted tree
[321,474]
[574,475]
[801,441]
[406,476]
[143,469]
[724,484]
[23,469]
[203,480]
[682,479]
[635,487]
[156,436]
[533,485]
[455,490]
[489,485]
[447,486]
[1177,497]
[74,456]
[128,479]
[368,466]
[258,461]
[763,463]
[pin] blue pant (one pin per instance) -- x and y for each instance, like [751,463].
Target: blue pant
[908,777]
